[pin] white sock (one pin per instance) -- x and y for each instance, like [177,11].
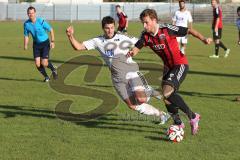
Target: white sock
[148,109]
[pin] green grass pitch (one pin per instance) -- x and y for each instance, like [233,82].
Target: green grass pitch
[30,129]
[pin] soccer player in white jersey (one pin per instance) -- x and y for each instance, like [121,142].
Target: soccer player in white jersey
[183,18]
[113,48]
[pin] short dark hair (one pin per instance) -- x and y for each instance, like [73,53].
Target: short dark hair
[107,20]
[118,6]
[31,8]
[181,1]
[238,9]
[149,12]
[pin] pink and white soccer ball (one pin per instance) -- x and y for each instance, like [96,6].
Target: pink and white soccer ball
[175,133]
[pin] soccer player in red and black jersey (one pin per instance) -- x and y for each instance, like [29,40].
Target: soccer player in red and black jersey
[217,26]
[122,20]
[162,40]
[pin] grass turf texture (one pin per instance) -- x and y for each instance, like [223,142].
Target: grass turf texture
[29,128]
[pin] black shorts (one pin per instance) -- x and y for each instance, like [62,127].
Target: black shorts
[175,76]
[217,35]
[41,49]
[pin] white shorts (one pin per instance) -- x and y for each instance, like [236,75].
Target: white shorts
[182,40]
[133,82]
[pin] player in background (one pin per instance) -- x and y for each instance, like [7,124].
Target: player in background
[183,18]
[217,26]
[238,24]
[162,40]
[122,20]
[113,48]
[38,29]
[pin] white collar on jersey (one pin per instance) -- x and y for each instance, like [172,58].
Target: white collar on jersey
[157,28]
[108,37]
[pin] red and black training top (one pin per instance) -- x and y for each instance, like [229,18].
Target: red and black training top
[164,44]
[122,19]
[217,13]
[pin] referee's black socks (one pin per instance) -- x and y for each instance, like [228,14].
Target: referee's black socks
[42,70]
[50,66]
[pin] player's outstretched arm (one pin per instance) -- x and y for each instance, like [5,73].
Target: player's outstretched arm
[26,40]
[199,36]
[133,52]
[75,44]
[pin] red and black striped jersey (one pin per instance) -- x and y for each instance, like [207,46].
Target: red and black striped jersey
[122,19]
[217,13]
[164,44]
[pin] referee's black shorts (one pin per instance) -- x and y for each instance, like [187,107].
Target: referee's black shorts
[41,49]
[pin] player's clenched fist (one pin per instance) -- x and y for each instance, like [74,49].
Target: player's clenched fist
[207,40]
[70,31]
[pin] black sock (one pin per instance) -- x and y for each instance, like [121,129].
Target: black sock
[50,66]
[216,49]
[179,102]
[173,110]
[222,45]
[41,69]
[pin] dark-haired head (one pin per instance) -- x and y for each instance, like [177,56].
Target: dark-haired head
[149,12]
[118,6]
[31,8]
[107,20]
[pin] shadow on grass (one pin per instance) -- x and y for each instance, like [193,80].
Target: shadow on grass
[116,122]
[21,80]
[13,111]
[208,95]
[142,67]
[108,121]
[52,60]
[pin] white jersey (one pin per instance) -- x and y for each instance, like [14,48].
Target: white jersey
[110,48]
[182,18]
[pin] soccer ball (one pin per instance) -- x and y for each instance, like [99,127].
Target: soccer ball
[175,133]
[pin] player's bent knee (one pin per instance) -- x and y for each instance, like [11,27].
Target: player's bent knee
[141,96]
[142,99]
[167,91]
[37,65]
[45,63]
